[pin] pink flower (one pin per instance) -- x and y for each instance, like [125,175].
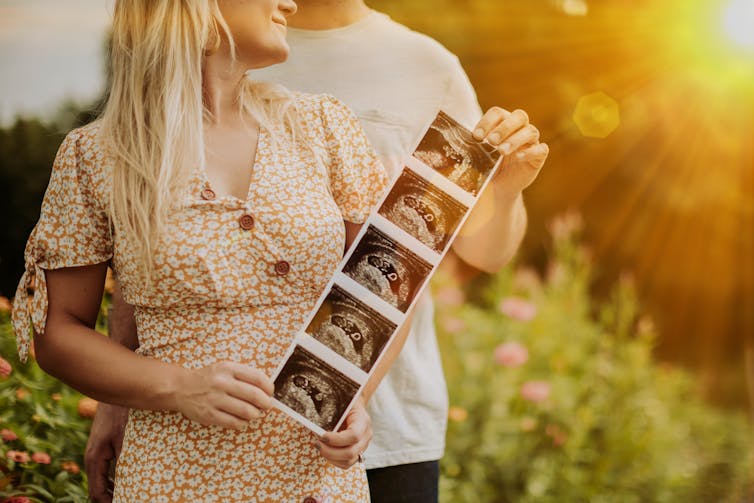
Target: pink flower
[453,325]
[8,435]
[535,391]
[70,467]
[518,309]
[450,296]
[5,368]
[511,354]
[17,499]
[18,456]
[41,457]
[528,424]
[558,436]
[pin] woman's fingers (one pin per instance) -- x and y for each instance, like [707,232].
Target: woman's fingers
[344,447]
[226,394]
[253,376]
[239,408]
[225,420]
[342,457]
[250,394]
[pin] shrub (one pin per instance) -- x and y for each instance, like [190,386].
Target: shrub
[554,400]
[43,432]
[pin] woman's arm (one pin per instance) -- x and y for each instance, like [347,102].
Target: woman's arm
[227,394]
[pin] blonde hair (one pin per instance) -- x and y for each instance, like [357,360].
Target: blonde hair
[152,124]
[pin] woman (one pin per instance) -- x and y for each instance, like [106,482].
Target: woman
[223,206]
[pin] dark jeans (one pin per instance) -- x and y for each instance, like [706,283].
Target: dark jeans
[414,483]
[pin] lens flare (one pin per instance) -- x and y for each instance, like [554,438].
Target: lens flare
[739,22]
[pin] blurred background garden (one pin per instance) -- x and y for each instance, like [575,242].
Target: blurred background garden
[614,361]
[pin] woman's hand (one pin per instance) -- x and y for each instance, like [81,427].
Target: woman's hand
[225,394]
[345,447]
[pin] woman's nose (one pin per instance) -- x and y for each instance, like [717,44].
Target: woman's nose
[288,7]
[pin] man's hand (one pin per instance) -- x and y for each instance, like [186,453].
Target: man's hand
[345,447]
[103,448]
[518,141]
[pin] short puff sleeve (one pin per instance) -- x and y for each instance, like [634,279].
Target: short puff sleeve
[357,177]
[73,230]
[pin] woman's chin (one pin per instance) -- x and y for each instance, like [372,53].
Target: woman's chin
[274,57]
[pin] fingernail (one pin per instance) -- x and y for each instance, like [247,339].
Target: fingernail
[479,133]
[520,155]
[494,138]
[506,148]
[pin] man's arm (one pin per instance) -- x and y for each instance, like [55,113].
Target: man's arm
[496,226]
[106,434]
[494,230]
[121,324]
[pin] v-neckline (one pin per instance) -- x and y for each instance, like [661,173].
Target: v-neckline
[255,164]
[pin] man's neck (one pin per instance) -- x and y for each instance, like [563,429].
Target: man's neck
[327,14]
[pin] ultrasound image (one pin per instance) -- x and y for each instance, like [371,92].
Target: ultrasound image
[450,149]
[351,329]
[314,389]
[422,210]
[387,268]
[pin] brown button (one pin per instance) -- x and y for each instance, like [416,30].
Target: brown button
[246,222]
[309,499]
[208,194]
[282,268]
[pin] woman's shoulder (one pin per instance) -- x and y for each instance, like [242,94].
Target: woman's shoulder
[324,111]
[84,136]
[82,153]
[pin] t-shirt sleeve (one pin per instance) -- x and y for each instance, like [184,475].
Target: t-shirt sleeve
[357,177]
[73,230]
[460,100]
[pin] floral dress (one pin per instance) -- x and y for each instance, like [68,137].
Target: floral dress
[234,281]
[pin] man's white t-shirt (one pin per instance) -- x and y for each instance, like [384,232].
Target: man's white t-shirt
[395,80]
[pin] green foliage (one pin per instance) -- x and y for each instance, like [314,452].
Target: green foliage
[43,414]
[27,151]
[615,426]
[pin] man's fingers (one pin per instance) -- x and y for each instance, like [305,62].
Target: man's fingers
[535,155]
[489,121]
[97,474]
[502,135]
[527,135]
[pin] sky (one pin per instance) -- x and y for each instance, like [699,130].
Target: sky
[50,51]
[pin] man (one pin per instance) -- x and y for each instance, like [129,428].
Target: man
[395,80]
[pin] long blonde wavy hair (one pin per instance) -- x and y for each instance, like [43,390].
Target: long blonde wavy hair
[152,123]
